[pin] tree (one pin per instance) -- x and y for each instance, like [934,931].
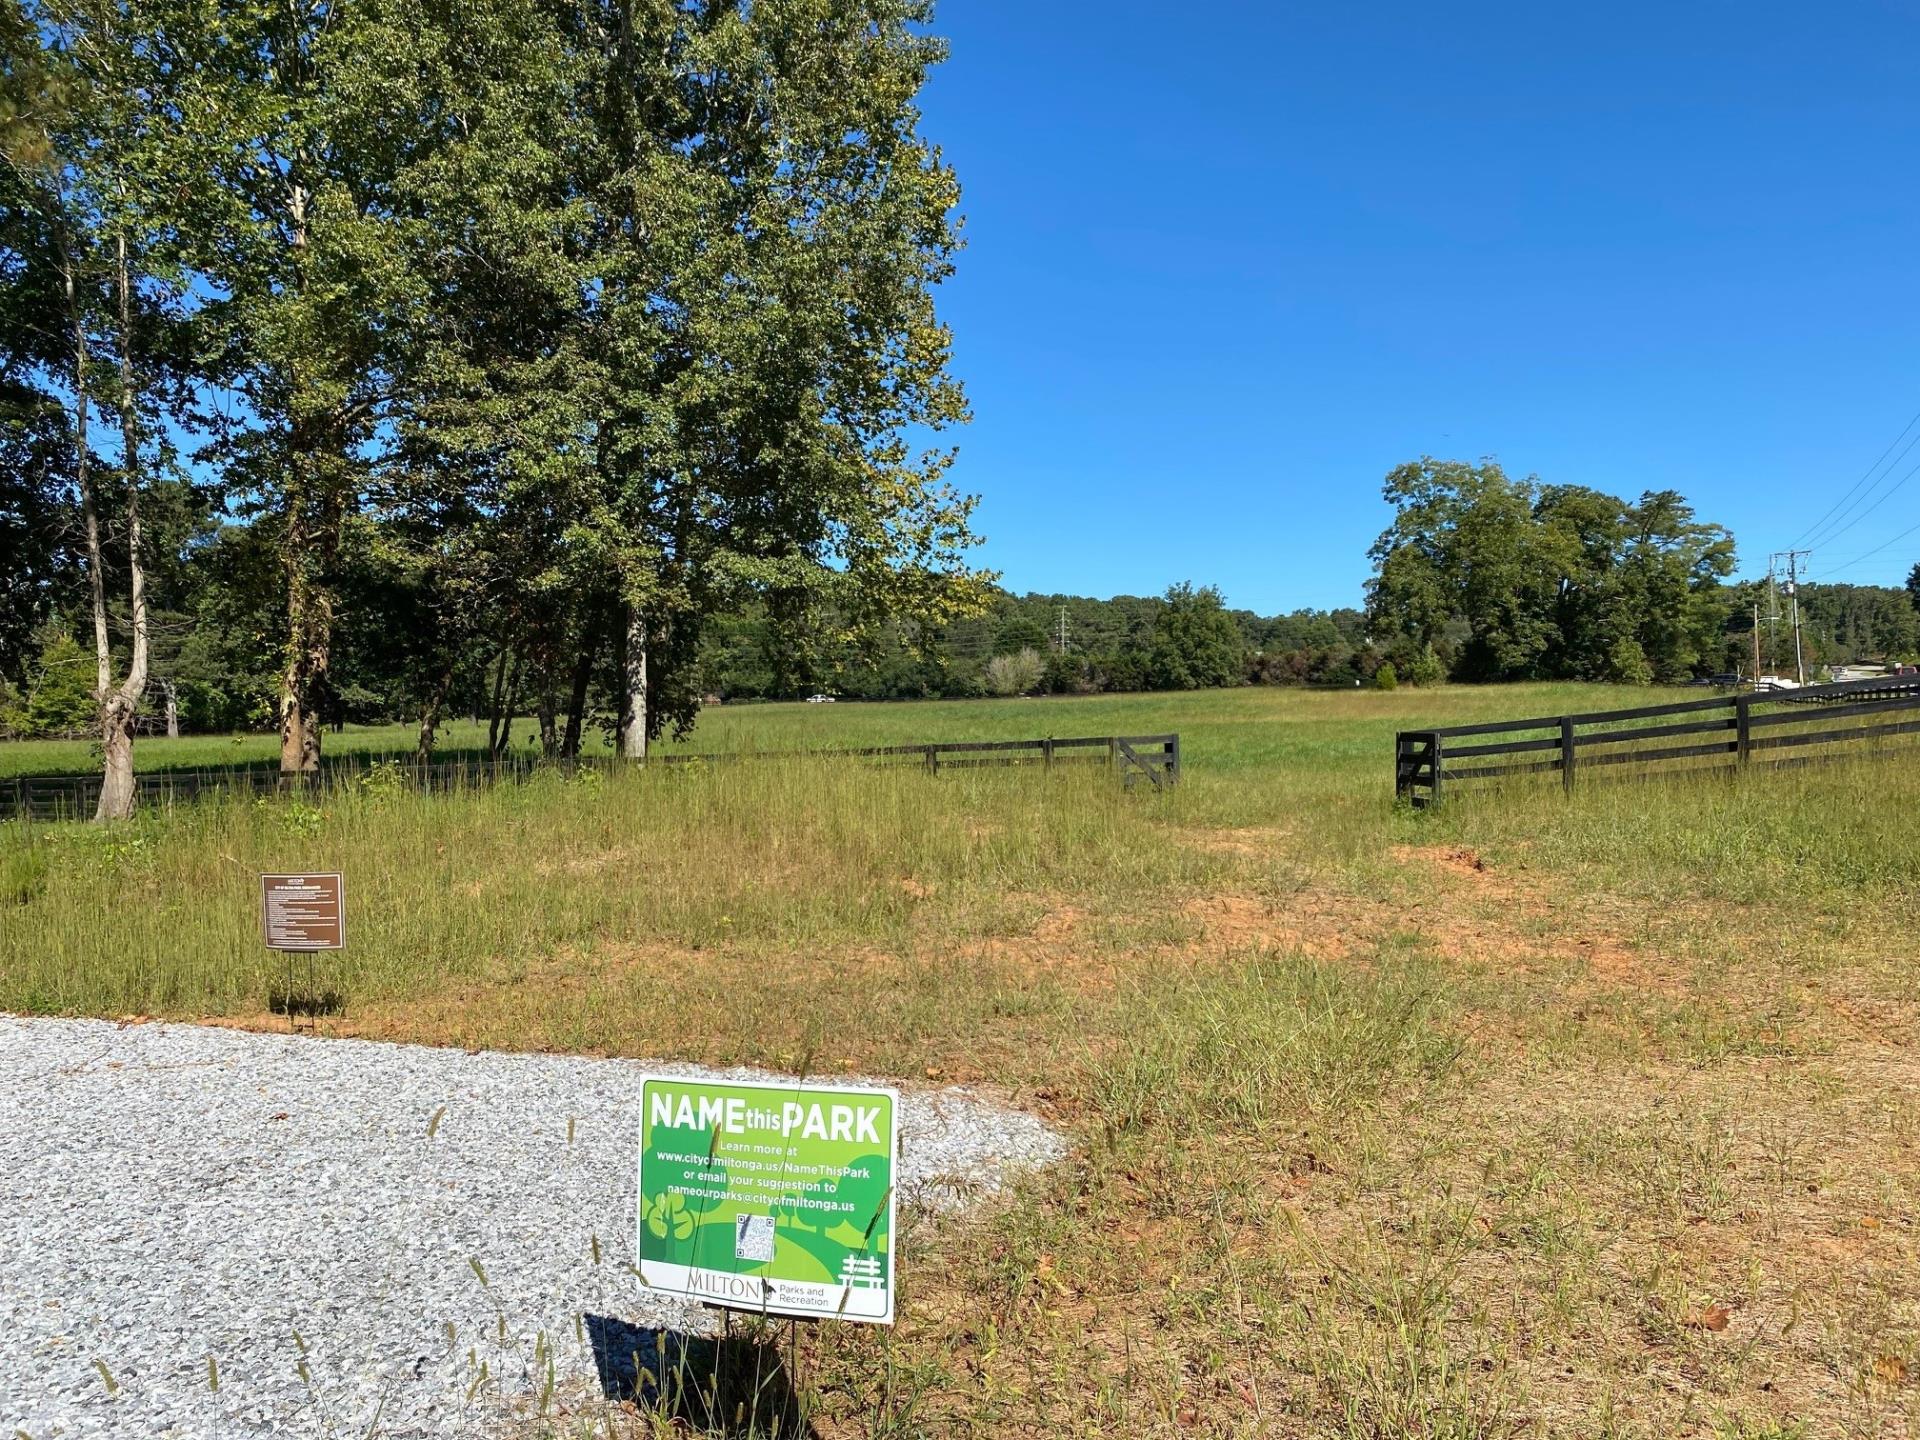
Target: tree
[769,240]
[1015,674]
[1545,581]
[1020,632]
[79,142]
[61,701]
[1196,643]
[530,338]
[285,161]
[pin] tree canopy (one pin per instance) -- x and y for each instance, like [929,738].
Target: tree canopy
[1505,579]
[528,334]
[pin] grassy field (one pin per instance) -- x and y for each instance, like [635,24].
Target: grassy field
[1236,727]
[1539,1115]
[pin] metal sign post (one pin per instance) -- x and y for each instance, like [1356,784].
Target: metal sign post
[303,914]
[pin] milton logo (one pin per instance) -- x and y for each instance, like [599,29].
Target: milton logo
[727,1287]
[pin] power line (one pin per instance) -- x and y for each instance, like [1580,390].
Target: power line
[1814,528]
[1858,559]
[1833,535]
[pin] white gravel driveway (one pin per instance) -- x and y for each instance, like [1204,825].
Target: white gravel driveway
[171,1193]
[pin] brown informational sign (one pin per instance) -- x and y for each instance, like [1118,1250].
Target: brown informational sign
[303,912]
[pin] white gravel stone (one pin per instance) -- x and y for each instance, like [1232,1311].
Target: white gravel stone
[173,1192]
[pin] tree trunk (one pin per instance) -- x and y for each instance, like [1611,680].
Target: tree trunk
[508,710]
[430,715]
[173,711]
[577,699]
[633,700]
[117,788]
[315,511]
[549,718]
[116,705]
[493,711]
[309,627]
[118,710]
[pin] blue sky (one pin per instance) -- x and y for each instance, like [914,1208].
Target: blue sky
[1227,265]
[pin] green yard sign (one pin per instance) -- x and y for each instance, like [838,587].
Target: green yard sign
[770,1197]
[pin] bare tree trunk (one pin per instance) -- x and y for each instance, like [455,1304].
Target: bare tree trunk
[549,718]
[173,711]
[90,523]
[508,710]
[633,672]
[118,709]
[315,511]
[577,699]
[493,711]
[430,714]
[309,619]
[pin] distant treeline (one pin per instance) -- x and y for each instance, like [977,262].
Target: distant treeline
[1480,577]
[215,655]
[1483,577]
[1045,644]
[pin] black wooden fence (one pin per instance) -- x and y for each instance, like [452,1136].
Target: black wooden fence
[1155,758]
[1724,730]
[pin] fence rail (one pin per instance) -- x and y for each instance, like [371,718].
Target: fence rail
[1154,758]
[1743,729]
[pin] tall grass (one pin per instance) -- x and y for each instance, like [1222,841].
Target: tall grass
[161,915]
[1255,726]
[788,862]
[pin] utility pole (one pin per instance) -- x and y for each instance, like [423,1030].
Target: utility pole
[1773,622]
[1793,559]
[1793,597]
[1756,643]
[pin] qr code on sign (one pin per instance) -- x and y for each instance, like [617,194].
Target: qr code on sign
[753,1237]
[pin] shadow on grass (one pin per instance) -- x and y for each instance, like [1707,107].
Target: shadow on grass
[735,1385]
[305,1003]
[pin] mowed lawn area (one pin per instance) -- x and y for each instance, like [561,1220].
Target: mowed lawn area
[1537,1115]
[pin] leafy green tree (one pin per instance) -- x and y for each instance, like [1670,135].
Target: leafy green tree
[768,229]
[1196,643]
[62,700]
[1020,632]
[1627,663]
[85,140]
[1545,581]
[1844,623]
[297,238]
[1424,668]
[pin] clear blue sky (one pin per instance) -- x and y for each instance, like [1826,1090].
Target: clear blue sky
[1227,265]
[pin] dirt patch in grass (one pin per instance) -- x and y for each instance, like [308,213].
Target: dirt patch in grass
[1476,920]
[1459,860]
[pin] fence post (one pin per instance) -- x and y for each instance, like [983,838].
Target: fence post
[1566,752]
[1173,760]
[933,760]
[1046,752]
[1433,795]
[1743,727]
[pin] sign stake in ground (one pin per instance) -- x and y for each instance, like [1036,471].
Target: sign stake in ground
[771,1197]
[303,914]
